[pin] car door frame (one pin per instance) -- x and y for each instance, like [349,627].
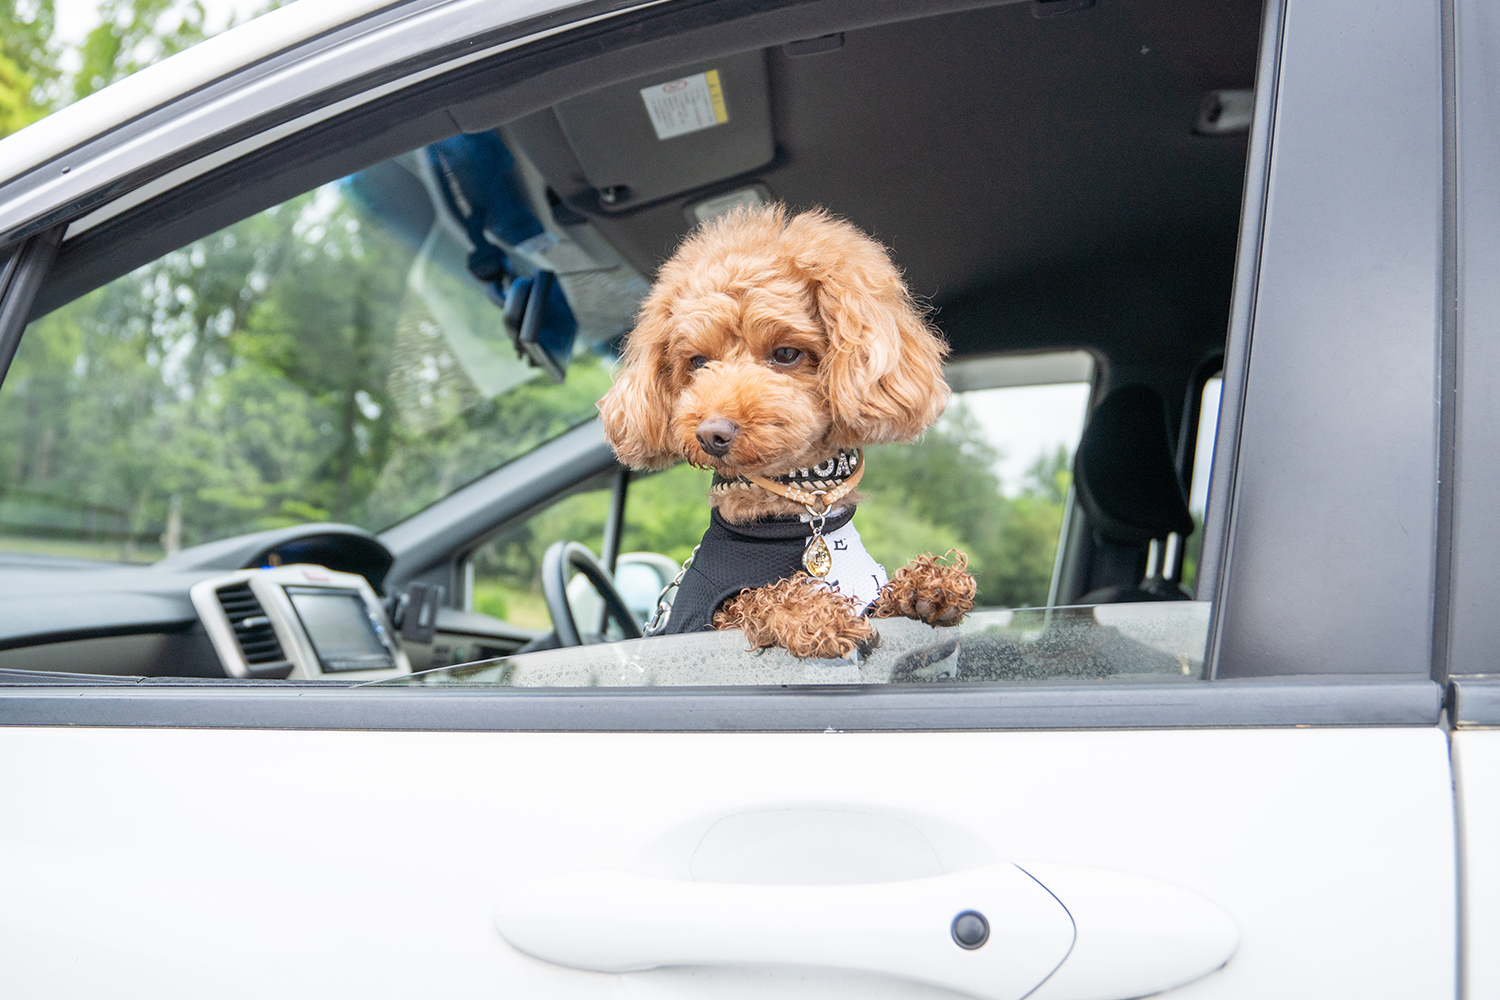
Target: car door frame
[1250,544]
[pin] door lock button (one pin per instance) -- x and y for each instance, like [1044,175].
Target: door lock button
[970,929]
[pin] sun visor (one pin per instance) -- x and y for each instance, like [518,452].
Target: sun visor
[673,131]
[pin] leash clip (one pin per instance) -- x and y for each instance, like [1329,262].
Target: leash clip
[663,606]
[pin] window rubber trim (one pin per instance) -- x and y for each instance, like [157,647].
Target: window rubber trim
[21,276]
[1218,523]
[55,700]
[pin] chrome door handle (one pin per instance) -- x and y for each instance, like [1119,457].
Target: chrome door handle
[1112,935]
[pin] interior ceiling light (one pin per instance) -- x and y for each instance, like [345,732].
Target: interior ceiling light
[752,196]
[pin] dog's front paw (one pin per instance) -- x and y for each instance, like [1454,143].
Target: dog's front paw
[929,590]
[804,617]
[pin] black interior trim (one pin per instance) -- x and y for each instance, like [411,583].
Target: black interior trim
[22,276]
[159,626]
[1448,380]
[1326,701]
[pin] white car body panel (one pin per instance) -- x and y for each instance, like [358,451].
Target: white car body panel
[317,864]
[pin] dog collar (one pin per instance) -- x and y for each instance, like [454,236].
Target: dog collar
[822,485]
[817,489]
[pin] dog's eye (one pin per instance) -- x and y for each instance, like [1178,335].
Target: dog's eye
[699,361]
[786,355]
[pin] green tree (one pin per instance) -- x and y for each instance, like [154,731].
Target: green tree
[28,62]
[1050,476]
[133,34]
[943,492]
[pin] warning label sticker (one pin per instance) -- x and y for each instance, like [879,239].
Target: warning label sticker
[688,105]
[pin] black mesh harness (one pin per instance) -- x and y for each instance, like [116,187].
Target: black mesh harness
[734,557]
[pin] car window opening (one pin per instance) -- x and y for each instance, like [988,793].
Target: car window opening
[362,353]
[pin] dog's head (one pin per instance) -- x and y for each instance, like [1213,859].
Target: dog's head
[766,343]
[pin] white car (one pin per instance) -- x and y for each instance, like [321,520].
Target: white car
[304,691]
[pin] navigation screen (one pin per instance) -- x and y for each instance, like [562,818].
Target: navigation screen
[340,629]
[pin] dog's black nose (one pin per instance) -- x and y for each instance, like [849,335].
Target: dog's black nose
[716,434]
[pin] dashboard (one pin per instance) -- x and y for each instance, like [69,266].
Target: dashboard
[299,622]
[295,603]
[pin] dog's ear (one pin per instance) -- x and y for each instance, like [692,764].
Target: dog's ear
[637,410]
[883,371]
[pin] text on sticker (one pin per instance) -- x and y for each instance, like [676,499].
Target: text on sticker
[690,104]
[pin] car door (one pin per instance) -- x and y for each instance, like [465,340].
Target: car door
[1283,825]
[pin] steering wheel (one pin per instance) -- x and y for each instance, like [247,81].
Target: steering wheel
[558,564]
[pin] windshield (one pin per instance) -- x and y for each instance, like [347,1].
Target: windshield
[333,358]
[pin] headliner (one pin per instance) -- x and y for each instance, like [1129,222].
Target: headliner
[1038,179]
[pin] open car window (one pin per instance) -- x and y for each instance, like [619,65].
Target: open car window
[991,479]
[362,354]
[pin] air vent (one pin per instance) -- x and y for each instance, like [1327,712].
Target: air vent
[252,629]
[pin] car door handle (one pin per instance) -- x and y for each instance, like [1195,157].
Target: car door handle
[1110,935]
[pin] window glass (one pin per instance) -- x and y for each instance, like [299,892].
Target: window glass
[329,359]
[665,514]
[989,479]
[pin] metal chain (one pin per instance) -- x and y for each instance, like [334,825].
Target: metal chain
[658,620]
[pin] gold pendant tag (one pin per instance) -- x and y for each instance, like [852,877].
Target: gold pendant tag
[816,558]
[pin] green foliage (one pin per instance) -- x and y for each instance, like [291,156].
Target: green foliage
[28,62]
[133,34]
[667,512]
[130,35]
[1051,476]
[264,376]
[943,493]
[1192,554]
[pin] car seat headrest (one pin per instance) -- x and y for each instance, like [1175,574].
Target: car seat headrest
[1124,472]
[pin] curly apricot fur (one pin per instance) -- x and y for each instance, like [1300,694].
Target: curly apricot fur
[929,591]
[801,615]
[737,289]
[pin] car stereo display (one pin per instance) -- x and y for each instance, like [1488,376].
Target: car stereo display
[339,625]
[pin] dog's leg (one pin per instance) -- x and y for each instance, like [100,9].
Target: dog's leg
[929,591]
[800,615]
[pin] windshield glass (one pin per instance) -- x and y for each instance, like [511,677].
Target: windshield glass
[333,358]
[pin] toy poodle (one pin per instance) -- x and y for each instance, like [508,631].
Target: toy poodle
[771,349]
